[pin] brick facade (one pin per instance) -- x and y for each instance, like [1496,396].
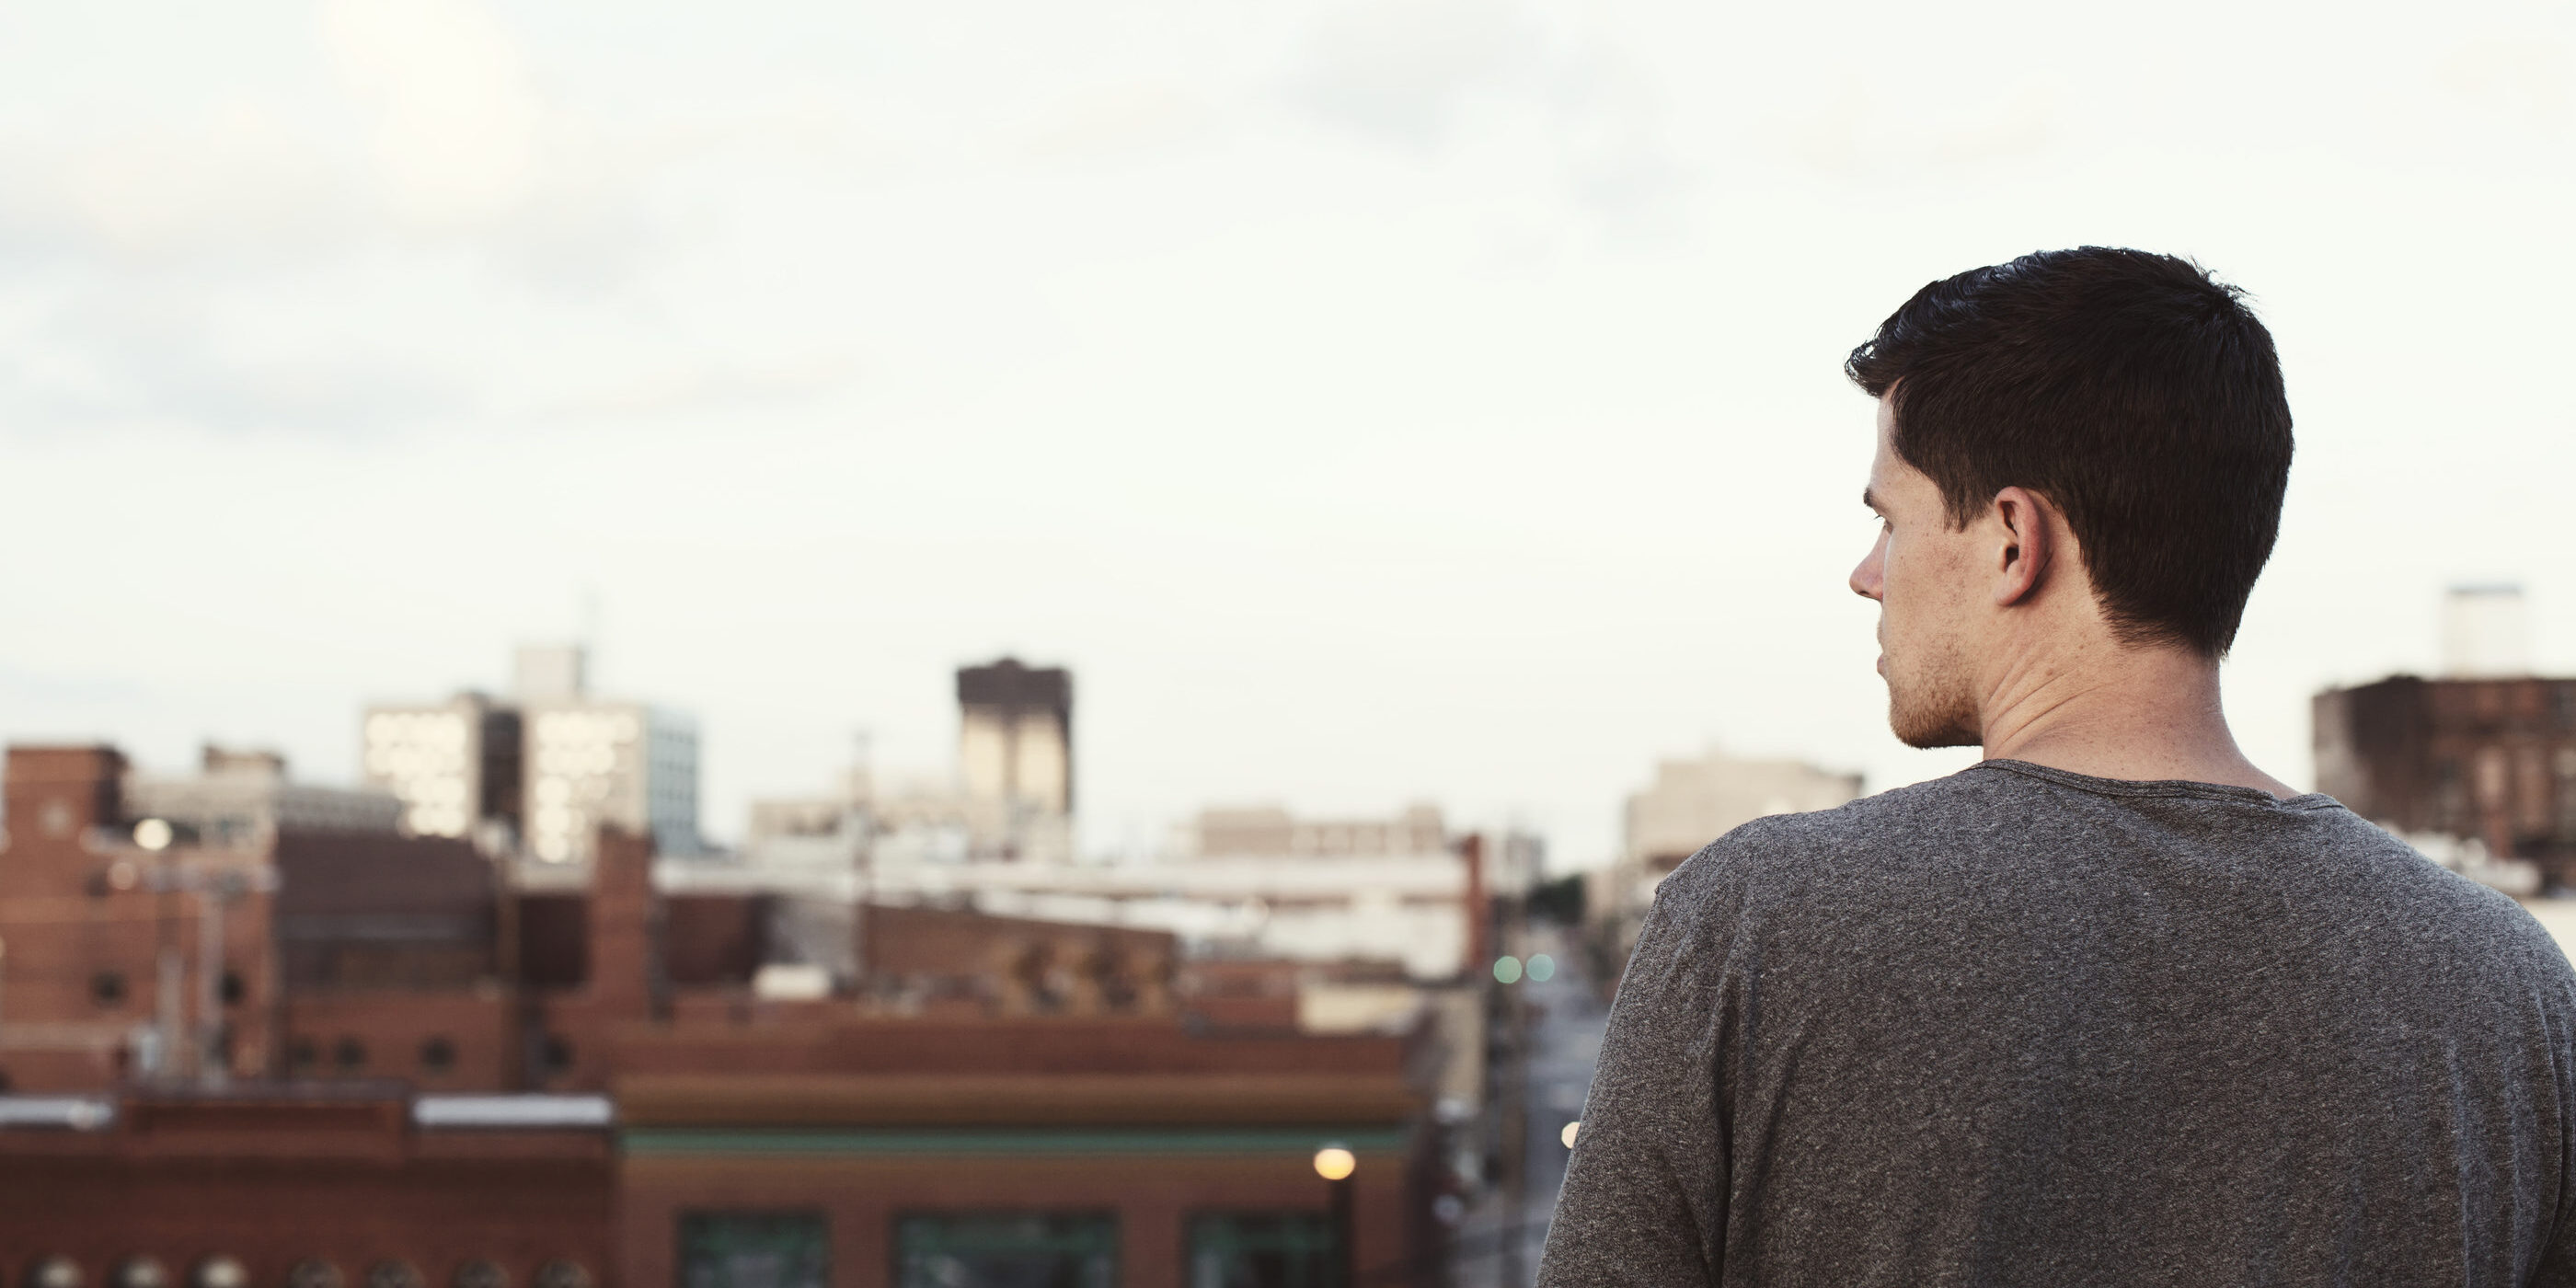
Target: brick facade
[1009,1066]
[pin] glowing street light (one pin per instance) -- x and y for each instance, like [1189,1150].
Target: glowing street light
[153,834]
[1335,1163]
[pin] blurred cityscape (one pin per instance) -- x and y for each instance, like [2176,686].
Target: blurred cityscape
[499,1014]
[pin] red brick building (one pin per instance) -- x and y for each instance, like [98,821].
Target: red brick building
[309,1186]
[1006,1099]
[2486,759]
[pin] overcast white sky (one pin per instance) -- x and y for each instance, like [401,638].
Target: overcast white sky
[1370,401]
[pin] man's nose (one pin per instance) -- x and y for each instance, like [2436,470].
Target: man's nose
[1869,578]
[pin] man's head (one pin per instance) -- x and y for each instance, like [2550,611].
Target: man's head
[2079,449]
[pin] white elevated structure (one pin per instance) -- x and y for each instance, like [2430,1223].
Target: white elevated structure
[523,1111]
[2485,632]
[241,798]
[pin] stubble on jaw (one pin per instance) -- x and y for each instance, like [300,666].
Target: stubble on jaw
[1930,698]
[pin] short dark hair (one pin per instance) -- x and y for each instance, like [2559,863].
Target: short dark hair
[2135,391]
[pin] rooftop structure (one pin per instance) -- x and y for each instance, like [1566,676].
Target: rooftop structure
[2485,633]
[243,797]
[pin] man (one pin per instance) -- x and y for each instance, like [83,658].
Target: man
[2114,1006]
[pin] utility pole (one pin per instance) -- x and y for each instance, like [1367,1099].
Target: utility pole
[214,888]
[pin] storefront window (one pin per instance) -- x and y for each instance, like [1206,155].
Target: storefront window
[1262,1250]
[1006,1250]
[755,1250]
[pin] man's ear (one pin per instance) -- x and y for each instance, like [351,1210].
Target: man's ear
[2029,540]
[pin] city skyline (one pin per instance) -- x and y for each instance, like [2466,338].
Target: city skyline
[1376,403]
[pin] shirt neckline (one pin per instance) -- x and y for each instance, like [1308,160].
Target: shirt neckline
[2159,786]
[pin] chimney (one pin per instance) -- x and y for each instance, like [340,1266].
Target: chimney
[626,973]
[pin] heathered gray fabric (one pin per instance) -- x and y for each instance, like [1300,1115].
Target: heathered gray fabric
[2019,1026]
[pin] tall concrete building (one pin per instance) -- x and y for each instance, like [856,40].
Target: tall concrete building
[543,768]
[624,763]
[593,761]
[1015,757]
[455,764]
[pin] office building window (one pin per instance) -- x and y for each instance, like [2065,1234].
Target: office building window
[1263,1250]
[1006,1250]
[755,1250]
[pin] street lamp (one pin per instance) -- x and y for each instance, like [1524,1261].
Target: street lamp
[1336,1163]
[214,888]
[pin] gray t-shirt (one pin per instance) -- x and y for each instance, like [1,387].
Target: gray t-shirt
[2021,1026]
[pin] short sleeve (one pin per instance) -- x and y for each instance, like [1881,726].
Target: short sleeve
[1645,1192]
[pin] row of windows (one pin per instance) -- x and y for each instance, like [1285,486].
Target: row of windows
[224,1271]
[348,1054]
[437,1054]
[108,988]
[791,1249]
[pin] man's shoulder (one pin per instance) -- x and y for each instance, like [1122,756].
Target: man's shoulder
[1936,840]
[1780,855]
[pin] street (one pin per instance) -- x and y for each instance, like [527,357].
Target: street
[1565,1042]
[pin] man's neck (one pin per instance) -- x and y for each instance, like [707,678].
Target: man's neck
[2119,711]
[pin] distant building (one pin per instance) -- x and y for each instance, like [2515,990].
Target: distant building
[538,773]
[1269,831]
[1014,761]
[2491,760]
[454,764]
[1693,802]
[623,764]
[1689,804]
[1419,906]
[1015,734]
[245,797]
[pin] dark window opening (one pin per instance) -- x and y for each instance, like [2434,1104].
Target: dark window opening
[394,1274]
[1263,1250]
[438,1055]
[556,1055]
[107,988]
[302,1054]
[755,1250]
[349,1053]
[232,989]
[480,1274]
[1058,1250]
[314,1273]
